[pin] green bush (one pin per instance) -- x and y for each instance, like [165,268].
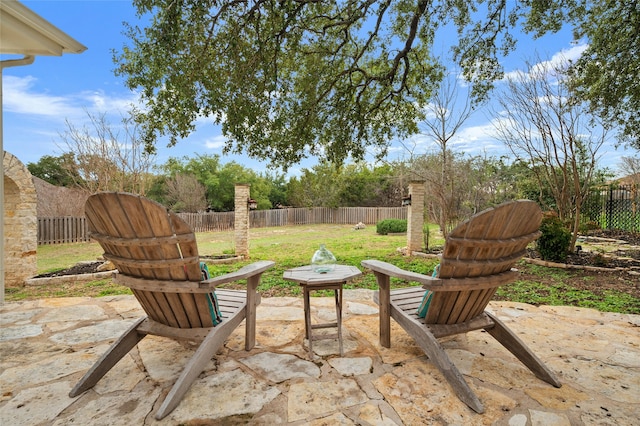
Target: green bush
[554,242]
[391,226]
[589,226]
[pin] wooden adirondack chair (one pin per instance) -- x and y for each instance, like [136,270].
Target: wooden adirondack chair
[156,255]
[477,258]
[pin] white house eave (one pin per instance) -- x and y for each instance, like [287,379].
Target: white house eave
[23,32]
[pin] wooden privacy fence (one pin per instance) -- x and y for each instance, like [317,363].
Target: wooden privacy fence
[57,230]
[204,222]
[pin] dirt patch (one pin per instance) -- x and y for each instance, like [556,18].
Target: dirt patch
[598,282]
[77,269]
[619,259]
[616,251]
[632,238]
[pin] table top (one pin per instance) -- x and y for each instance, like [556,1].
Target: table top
[306,275]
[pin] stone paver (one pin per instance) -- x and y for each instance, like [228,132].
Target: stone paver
[46,346]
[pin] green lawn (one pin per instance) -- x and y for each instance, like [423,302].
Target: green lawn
[294,246]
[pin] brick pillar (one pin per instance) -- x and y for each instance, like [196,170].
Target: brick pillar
[241,225]
[415,217]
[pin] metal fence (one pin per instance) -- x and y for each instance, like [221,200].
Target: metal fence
[57,230]
[614,207]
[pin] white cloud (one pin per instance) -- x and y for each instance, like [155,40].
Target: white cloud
[22,97]
[100,101]
[472,140]
[571,54]
[558,60]
[215,142]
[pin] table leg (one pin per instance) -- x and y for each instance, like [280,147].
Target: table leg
[338,296]
[307,319]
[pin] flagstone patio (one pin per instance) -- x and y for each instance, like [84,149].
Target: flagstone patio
[47,345]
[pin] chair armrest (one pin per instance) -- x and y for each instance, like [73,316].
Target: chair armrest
[442,284]
[393,271]
[245,272]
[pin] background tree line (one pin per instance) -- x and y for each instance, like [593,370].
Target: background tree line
[205,182]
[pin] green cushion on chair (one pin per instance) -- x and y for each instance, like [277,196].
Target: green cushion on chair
[424,305]
[214,306]
[428,295]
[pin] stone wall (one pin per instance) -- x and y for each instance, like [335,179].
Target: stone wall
[20,222]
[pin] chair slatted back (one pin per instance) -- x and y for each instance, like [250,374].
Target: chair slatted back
[145,240]
[487,244]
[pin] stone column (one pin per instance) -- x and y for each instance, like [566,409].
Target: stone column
[241,224]
[20,223]
[415,217]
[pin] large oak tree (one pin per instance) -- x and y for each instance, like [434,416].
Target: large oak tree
[287,79]
[607,74]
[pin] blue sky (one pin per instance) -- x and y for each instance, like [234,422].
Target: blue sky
[38,98]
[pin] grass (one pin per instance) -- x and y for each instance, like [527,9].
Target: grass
[294,246]
[55,257]
[560,294]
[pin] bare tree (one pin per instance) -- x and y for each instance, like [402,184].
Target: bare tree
[186,194]
[543,125]
[446,113]
[476,185]
[630,166]
[108,158]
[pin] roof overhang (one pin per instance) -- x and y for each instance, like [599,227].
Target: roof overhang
[23,32]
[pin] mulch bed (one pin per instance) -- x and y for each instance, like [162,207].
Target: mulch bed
[78,269]
[627,256]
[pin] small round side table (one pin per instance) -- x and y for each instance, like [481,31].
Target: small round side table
[334,280]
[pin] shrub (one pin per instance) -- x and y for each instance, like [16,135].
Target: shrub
[554,242]
[392,226]
[589,226]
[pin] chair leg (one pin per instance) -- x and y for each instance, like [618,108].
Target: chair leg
[440,359]
[253,299]
[207,349]
[383,298]
[115,353]
[517,347]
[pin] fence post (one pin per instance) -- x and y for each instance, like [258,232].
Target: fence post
[610,208]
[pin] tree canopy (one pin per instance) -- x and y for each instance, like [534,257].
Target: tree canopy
[606,75]
[291,78]
[60,171]
[287,79]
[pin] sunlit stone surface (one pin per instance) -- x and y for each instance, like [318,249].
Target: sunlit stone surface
[47,345]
